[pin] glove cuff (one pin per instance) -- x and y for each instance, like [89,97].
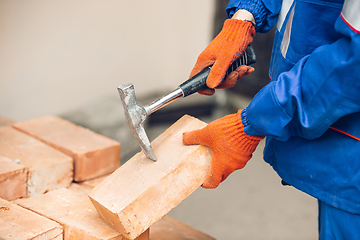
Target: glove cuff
[233,128]
[233,29]
[250,141]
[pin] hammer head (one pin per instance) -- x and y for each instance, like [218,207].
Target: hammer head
[135,116]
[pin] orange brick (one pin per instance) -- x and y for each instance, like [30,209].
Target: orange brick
[170,228]
[48,169]
[142,191]
[94,155]
[94,182]
[164,229]
[18,223]
[75,213]
[85,187]
[13,178]
[80,188]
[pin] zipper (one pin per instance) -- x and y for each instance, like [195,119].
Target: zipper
[347,134]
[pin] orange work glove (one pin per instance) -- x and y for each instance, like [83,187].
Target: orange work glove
[226,47]
[231,147]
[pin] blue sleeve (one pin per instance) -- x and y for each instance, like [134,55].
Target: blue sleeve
[321,88]
[265,12]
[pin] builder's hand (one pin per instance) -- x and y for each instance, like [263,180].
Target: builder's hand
[226,47]
[231,147]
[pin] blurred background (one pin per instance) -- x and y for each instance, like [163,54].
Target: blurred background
[66,58]
[57,56]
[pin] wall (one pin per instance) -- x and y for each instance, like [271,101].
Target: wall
[56,56]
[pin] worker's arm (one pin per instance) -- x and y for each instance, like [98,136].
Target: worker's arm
[244,15]
[231,147]
[321,88]
[304,101]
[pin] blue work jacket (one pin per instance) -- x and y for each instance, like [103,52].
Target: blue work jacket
[310,110]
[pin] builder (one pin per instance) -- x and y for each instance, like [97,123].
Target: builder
[310,110]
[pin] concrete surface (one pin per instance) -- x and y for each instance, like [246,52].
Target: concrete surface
[250,204]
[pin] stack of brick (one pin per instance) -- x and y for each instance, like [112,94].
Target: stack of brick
[47,169]
[48,166]
[54,152]
[93,154]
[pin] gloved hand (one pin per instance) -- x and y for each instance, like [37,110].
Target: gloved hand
[226,47]
[230,80]
[231,147]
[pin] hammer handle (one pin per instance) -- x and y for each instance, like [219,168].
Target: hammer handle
[198,82]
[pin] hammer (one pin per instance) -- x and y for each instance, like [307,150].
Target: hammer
[136,115]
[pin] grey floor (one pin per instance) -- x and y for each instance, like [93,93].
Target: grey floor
[250,204]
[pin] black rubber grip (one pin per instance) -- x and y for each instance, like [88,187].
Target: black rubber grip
[198,82]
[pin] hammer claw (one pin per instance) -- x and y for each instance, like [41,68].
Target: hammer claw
[145,143]
[135,116]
